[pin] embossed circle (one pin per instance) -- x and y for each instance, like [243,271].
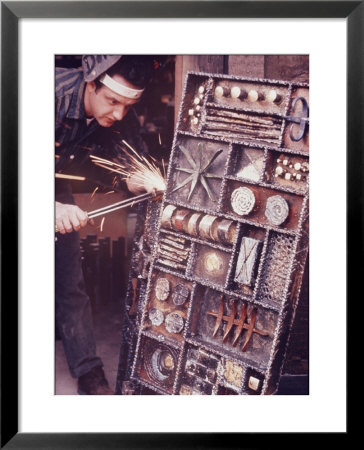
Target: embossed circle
[156,316]
[162,289]
[180,294]
[213,263]
[174,323]
[160,363]
[242,201]
[276,210]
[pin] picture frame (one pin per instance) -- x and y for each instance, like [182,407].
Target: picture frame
[11,13]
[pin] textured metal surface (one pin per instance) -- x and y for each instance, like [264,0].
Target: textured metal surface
[276,210]
[247,260]
[234,277]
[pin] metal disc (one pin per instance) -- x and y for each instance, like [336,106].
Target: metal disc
[174,323]
[162,289]
[156,316]
[277,210]
[242,201]
[180,294]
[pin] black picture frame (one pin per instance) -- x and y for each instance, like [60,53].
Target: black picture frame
[11,12]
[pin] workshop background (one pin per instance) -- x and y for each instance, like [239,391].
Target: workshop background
[106,249]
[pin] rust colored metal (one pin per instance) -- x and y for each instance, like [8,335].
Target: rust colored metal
[240,327]
[133,308]
[250,330]
[157,198]
[240,323]
[230,322]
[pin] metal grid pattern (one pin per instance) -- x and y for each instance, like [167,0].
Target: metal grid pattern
[242,328]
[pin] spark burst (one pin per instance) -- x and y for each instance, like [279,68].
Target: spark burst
[144,173]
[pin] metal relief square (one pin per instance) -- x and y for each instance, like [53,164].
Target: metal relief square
[247,261]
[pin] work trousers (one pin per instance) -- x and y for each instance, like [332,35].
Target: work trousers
[73,309]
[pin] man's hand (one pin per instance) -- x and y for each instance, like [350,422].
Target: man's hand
[69,218]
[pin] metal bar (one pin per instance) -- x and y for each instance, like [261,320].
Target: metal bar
[119,205]
[240,327]
[230,322]
[219,316]
[246,326]
[250,330]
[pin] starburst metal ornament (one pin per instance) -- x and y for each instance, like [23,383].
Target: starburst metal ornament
[198,172]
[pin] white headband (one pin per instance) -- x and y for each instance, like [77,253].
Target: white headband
[120,88]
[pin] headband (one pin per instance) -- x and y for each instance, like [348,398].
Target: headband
[121,89]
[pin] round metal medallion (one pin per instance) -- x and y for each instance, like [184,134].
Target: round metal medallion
[213,263]
[161,365]
[242,201]
[162,289]
[277,210]
[174,323]
[156,316]
[180,294]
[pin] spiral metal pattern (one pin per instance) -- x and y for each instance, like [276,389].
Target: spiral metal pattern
[277,210]
[242,201]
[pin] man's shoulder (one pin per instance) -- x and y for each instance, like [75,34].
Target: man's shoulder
[67,80]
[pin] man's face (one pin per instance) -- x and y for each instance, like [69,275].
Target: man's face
[105,105]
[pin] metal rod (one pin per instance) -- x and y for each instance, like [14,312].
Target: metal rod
[122,202]
[120,205]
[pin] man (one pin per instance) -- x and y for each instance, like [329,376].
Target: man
[88,100]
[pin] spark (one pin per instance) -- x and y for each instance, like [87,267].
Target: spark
[144,172]
[102,224]
[159,138]
[94,192]
[104,166]
[70,177]
[109,192]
